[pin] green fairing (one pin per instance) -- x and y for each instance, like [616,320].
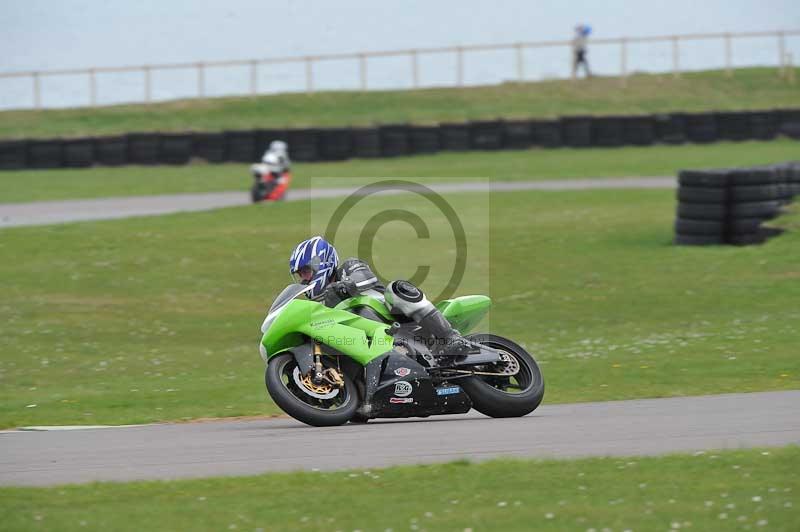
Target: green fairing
[366,301]
[465,312]
[359,338]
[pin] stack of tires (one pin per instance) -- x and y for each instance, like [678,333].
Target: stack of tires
[576,131]
[454,137]
[366,143]
[702,207]
[143,148]
[547,133]
[763,125]
[424,139]
[607,131]
[518,134]
[210,147]
[734,126]
[730,206]
[336,144]
[78,153]
[47,153]
[13,154]
[241,146]
[789,122]
[701,127]
[394,140]
[670,128]
[486,135]
[111,151]
[638,130]
[176,148]
[754,198]
[303,144]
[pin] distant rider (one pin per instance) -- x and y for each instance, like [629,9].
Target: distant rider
[281,150]
[315,261]
[274,171]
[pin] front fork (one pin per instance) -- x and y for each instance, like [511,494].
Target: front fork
[324,375]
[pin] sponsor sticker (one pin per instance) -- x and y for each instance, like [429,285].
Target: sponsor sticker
[401,400]
[402,389]
[450,390]
[402,372]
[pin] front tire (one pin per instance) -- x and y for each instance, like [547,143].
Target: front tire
[256,193]
[304,404]
[513,396]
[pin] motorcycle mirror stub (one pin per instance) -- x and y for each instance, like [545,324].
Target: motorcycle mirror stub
[392,330]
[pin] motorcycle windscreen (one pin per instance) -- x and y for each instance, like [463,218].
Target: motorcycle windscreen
[288,293]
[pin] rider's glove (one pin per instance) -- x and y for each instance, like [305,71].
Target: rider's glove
[338,292]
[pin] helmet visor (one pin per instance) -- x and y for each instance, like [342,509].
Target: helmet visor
[304,274]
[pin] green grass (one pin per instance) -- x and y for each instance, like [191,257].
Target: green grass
[726,490]
[39,185]
[151,319]
[751,88]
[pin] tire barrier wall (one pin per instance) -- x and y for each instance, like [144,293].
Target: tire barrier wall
[729,206]
[393,140]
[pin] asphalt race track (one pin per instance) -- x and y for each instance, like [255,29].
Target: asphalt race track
[52,212]
[620,428]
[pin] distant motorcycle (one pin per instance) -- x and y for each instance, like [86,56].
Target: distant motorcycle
[268,185]
[327,366]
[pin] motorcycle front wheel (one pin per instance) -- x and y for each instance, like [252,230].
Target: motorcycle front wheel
[505,396]
[318,405]
[257,193]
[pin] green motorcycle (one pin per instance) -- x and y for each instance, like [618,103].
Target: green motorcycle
[355,362]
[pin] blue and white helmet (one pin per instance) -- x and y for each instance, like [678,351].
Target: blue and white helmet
[314,261]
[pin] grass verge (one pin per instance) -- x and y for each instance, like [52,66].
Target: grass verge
[749,88]
[730,490]
[42,185]
[152,319]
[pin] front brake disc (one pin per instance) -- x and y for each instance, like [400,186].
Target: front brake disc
[319,391]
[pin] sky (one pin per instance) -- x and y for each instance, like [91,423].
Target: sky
[46,34]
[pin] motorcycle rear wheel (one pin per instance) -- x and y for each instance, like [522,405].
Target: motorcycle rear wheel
[300,403]
[513,396]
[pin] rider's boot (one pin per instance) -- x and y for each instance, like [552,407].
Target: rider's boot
[444,341]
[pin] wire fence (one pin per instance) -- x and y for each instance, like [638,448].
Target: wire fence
[412,58]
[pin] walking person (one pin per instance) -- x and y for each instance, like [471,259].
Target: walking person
[579,50]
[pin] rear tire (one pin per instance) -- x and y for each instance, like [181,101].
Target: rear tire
[485,392]
[301,405]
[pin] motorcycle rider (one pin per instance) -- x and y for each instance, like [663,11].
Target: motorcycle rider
[315,261]
[280,150]
[274,171]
